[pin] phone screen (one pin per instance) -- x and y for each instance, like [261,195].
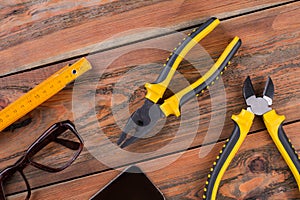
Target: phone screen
[129,186]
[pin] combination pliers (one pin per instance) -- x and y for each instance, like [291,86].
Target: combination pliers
[259,106]
[145,118]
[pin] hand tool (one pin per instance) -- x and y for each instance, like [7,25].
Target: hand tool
[256,106]
[145,118]
[42,92]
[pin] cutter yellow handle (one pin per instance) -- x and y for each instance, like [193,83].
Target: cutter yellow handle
[42,92]
[273,122]
[243,123]
[171,106]
[156,90]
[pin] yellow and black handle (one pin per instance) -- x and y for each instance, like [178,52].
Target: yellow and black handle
[156,90]
[274,122]
[242,125]
[171,106]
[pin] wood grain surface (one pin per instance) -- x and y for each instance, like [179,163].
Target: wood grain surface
[101,101]
[40,32]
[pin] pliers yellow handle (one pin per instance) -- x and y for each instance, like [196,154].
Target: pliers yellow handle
[146,117]
[155,91]
[171,106]
[242,125]
[274,122]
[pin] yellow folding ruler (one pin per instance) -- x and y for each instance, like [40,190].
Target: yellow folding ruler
[42,92]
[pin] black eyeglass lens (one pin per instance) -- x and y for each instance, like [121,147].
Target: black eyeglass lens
[59,152]
[15,187]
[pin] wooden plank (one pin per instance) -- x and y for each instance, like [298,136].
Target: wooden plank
[256,171]
[34,33]
[273,49]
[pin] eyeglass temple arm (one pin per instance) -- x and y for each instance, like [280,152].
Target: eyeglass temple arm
[2,195]
[27,185]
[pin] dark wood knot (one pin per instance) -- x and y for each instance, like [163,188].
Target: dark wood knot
[258,165]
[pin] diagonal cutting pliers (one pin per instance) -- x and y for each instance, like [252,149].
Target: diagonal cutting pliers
[145,118]
[259,106]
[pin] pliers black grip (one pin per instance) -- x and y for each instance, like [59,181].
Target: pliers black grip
[145,118]
[242,124]
[156,90]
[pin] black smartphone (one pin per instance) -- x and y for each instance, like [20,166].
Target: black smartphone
[131,184]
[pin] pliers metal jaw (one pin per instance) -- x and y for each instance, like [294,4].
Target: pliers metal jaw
[145,118]
[258,105]
[255,106]
[140,123]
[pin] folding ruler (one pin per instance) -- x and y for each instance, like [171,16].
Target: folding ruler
[42,92]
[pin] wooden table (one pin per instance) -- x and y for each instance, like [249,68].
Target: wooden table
[132,39]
